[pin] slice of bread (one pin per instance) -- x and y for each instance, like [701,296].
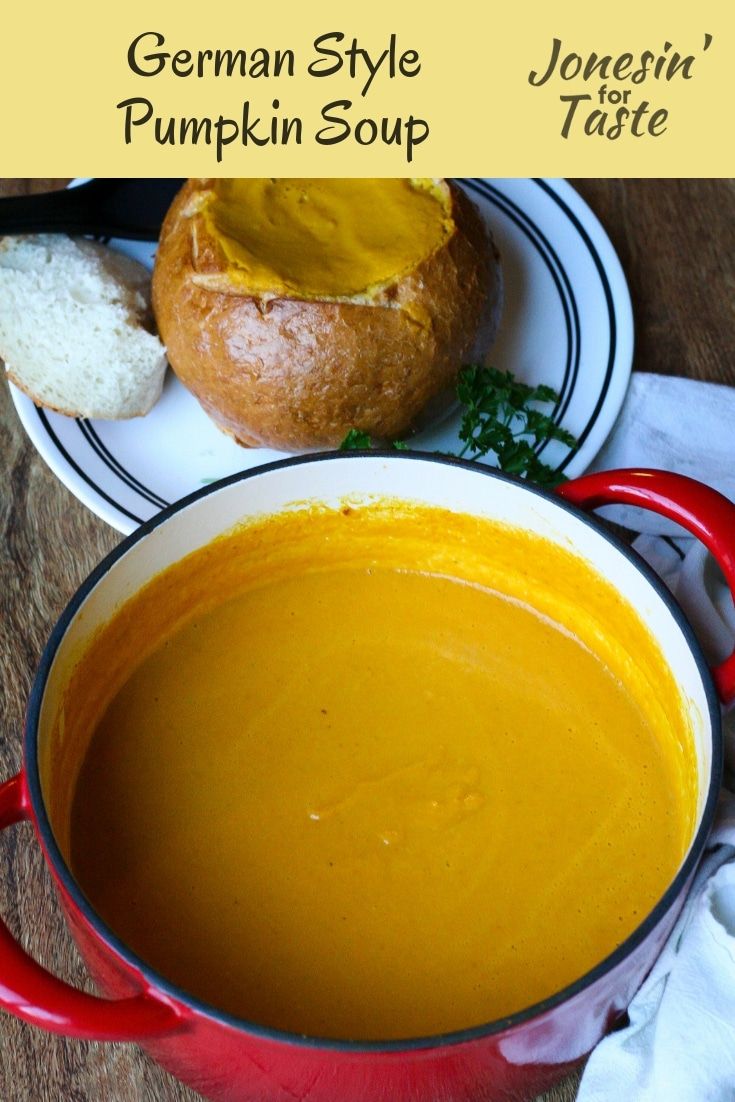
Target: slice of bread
[74,327]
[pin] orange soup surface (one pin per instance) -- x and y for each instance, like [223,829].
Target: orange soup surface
[355,774]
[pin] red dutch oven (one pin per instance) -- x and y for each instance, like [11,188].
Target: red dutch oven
[232,1060]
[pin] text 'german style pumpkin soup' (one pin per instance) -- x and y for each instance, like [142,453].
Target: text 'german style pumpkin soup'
[373,773]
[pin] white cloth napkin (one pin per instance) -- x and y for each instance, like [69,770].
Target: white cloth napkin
[679,425]
[680,1043]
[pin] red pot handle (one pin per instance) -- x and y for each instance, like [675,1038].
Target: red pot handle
[30,992]
[701,510]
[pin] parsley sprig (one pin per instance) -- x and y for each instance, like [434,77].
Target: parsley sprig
[357,440]
[500,417]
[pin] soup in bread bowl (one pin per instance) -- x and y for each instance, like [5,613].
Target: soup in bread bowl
[297,309]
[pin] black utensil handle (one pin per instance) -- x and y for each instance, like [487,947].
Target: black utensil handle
[107,207]
[65,211]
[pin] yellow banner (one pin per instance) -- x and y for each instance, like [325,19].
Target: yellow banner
[394,87]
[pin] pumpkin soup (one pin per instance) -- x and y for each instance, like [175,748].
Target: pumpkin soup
[330,238]
[373,773]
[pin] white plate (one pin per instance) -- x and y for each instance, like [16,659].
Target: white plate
[567,322]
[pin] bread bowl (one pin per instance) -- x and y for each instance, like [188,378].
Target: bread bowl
[297,309]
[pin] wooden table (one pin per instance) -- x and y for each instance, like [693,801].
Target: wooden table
[676,241]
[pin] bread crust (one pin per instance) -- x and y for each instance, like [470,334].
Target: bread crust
[42,403]
[295,373]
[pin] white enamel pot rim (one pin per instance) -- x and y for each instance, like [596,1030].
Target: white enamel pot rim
[422,465]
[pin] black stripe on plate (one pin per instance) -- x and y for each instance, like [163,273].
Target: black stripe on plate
[88,431]
[541,243]
[611,316]
[563,403]
[82,474]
